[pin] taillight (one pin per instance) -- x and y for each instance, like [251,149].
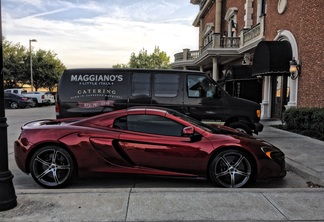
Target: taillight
[43,97]
[57,108]
[24,98]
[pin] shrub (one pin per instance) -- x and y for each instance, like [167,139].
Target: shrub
[305,121]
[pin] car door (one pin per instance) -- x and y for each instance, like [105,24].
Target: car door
[156,143]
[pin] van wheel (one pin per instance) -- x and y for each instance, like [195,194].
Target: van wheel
[241,127]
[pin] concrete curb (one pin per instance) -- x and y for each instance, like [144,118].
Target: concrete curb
[305,172]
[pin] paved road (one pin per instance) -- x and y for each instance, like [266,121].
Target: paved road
[15,118]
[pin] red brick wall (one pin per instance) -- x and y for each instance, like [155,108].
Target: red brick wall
[304,19]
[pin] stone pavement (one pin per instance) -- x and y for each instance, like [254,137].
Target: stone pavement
[304,155]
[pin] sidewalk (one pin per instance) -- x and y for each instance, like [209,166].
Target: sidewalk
[303,154]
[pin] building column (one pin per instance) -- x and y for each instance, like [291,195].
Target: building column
[265,105]
[218,16]
[215,69]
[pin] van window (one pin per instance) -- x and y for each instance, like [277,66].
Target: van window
[200,87]
[141,83]
[166,85]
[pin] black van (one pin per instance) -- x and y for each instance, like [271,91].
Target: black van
[87,92]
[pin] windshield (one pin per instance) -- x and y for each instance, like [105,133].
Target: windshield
[193,121]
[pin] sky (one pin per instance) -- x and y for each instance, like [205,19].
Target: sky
[101,33]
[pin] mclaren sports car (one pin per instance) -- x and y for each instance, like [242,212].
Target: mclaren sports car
[143,140]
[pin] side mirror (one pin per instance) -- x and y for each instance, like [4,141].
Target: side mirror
[188,131]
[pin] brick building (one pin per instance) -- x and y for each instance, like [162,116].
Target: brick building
[248,46]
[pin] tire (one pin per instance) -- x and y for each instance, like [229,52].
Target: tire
[231,168]
[52,167]
[241,127]
[14,105]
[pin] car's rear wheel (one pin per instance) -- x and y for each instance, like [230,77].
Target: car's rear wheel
[14,105]
[52,167]
[231,168]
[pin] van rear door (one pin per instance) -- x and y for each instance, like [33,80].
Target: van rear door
[87,92]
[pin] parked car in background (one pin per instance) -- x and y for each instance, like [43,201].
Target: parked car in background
[50,97]
[15,101]
[143,140]
[40,98]
[16,91]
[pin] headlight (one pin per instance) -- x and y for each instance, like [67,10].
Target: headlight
[269,151]
[258,112]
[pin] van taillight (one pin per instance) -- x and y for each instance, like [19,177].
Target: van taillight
[43,97]
[57,108]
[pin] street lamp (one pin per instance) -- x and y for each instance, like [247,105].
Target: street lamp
[8,198]
[31,64]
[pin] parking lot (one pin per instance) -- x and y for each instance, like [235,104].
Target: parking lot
[15,118]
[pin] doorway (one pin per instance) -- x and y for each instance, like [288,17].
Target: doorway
[280,95]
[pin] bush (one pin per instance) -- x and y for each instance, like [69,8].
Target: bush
[305,121]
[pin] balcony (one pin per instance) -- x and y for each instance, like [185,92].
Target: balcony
[221,47]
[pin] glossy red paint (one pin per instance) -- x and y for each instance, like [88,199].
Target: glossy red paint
[108,144]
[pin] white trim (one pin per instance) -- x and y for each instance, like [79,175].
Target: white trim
[230,13]
[288,36]
[283,35]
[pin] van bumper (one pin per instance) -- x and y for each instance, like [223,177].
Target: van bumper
[258,127]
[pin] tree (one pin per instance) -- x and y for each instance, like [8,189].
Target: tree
[47,69]
[157,60]
[15,71]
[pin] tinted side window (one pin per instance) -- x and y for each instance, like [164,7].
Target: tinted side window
[200,87]
[141,83]
[166,85]
[154,125]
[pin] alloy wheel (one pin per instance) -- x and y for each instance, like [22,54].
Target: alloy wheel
[52,167]
[231,168]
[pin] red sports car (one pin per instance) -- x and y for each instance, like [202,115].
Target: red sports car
[143,140]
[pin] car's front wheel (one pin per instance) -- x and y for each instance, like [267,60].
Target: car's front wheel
[231,168]
[52,167]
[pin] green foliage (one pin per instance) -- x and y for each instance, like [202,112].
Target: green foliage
[47,69]
[305,121]
[157,60]
[120,66]
[15,71]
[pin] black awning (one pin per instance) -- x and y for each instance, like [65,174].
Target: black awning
[272,58]
[240,72]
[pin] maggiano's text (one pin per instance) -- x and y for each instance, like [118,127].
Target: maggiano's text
[96,78]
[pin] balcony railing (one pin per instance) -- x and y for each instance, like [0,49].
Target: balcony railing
[186,55]
[230,42]
[251,33]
